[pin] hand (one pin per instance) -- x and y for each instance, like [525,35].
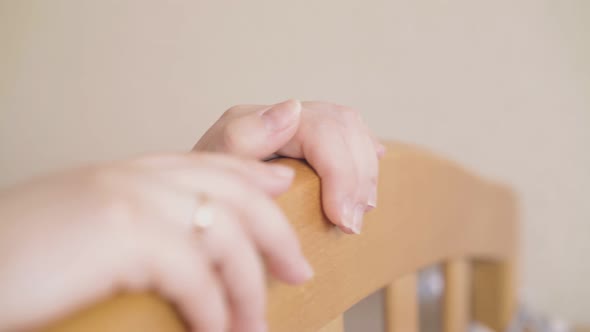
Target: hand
[332,138]
[74,238]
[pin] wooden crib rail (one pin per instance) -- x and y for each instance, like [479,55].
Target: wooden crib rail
[429,211]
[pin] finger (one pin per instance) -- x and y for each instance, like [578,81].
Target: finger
[372,172]
[239,268]
[349,185]
[272,234]
[363,151]
[262,218]
[374,165]
[184,276]
[253,132]
[373,149]
[340,180]
[273,179]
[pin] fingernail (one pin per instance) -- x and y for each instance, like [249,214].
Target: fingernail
[282,115]
[307,270]
[372,202]
[282,171]
[357,222]
[347,217]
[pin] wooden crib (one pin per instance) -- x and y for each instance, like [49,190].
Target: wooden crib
[430,211]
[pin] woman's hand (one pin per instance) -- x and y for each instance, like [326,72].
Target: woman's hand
[69,240]
[332,138]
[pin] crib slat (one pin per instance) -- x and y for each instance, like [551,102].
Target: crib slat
[401,305]
[337,325]
[494,293]
[456,300]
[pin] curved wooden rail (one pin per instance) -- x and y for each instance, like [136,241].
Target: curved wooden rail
[429,211]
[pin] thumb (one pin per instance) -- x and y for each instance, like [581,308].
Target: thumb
[260,133]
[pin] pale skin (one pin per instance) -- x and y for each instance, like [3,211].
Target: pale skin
[70,239]
[319,132]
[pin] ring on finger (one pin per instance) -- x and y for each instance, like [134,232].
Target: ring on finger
[203,216]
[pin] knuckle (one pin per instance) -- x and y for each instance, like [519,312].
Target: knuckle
[349,114]
[236,109]
[230,139]
[229,179]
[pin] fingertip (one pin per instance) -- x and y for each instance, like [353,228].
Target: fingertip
[279,184]
[340,212]
[302,276]
[281,116]
[295,103]
[350,216]
[346,230]
[295,272]
[307,271]
[282,171]
[372,202]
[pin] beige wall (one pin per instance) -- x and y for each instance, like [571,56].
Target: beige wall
[501,86]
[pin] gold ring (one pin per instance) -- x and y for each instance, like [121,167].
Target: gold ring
[203,214]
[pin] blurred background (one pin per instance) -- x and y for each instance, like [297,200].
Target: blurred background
[502,87]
